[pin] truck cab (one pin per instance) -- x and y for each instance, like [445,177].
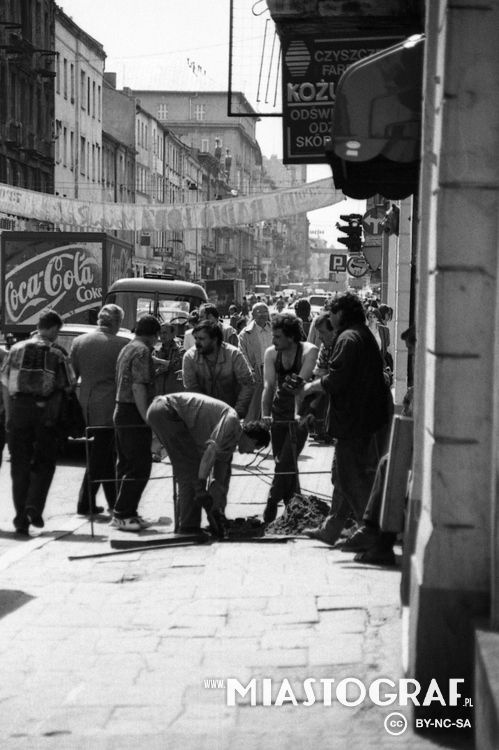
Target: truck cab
[167,299]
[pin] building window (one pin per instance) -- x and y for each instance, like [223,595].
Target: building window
[58,74]
[162,111]
[99,103]
[72,150]
[65,78]
[200,112]
[72,83]
[88,96]
[65,147]
[82,155]
[83,93]
[205,145]
[93,98]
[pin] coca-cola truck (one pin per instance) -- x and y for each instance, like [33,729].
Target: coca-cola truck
[68,272]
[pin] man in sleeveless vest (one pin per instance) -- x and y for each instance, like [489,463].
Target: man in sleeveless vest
[289,362]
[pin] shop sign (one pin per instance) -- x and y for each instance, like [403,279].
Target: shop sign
[311,69]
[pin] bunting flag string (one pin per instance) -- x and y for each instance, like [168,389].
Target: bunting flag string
[102,217]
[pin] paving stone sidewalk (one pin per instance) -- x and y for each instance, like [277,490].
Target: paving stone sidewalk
[138,650]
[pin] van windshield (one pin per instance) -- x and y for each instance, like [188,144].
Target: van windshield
[163,305]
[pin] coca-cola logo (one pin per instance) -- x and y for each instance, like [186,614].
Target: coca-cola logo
[65,277]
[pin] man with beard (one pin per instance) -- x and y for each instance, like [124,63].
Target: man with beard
[217,369]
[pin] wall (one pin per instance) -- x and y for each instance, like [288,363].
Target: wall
[456,302]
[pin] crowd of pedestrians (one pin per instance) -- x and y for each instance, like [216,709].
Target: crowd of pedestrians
[227,385]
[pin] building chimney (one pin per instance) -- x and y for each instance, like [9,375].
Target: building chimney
[110,78]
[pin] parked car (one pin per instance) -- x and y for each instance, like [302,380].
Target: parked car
[70,331]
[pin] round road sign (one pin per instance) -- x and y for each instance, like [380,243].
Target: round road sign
[357,265]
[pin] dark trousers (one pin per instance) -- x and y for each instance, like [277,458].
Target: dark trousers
[101,466]
[184,459]
[33,447]
[133,467]
[372,512]
[287,444]
[354,468]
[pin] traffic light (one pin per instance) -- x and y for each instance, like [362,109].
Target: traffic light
[353,230]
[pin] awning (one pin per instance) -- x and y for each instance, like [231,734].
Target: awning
[376,130]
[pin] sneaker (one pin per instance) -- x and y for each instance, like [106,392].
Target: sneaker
[126,524]
[34,518]
[143,523]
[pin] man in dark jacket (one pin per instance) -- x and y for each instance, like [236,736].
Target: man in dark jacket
[360,410]
[35,374]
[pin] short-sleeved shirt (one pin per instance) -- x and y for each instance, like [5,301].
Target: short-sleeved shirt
[134,366]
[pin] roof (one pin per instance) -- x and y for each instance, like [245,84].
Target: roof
[184,288]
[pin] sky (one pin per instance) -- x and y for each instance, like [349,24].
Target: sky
[184,44]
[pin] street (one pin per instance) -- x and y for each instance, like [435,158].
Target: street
[110,652]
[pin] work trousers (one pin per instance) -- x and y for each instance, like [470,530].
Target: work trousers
[133,466]
[33,447]
[101,470]
[185,460]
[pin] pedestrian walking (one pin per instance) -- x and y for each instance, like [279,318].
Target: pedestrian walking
[94,356]
[288,363]
[134,393]
[35,375]
[200,435]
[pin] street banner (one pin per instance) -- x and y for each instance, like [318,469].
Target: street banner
[102,217]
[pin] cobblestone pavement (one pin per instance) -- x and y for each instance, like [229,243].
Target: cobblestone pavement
[139,649]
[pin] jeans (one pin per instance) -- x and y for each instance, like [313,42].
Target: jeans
[101,466]
[33,447]
[133,467]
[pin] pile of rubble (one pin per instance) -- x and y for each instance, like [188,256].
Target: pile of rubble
[302,512]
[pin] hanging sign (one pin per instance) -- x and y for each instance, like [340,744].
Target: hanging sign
[311,69]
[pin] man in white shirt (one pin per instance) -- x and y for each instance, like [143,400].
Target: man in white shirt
[254,340]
